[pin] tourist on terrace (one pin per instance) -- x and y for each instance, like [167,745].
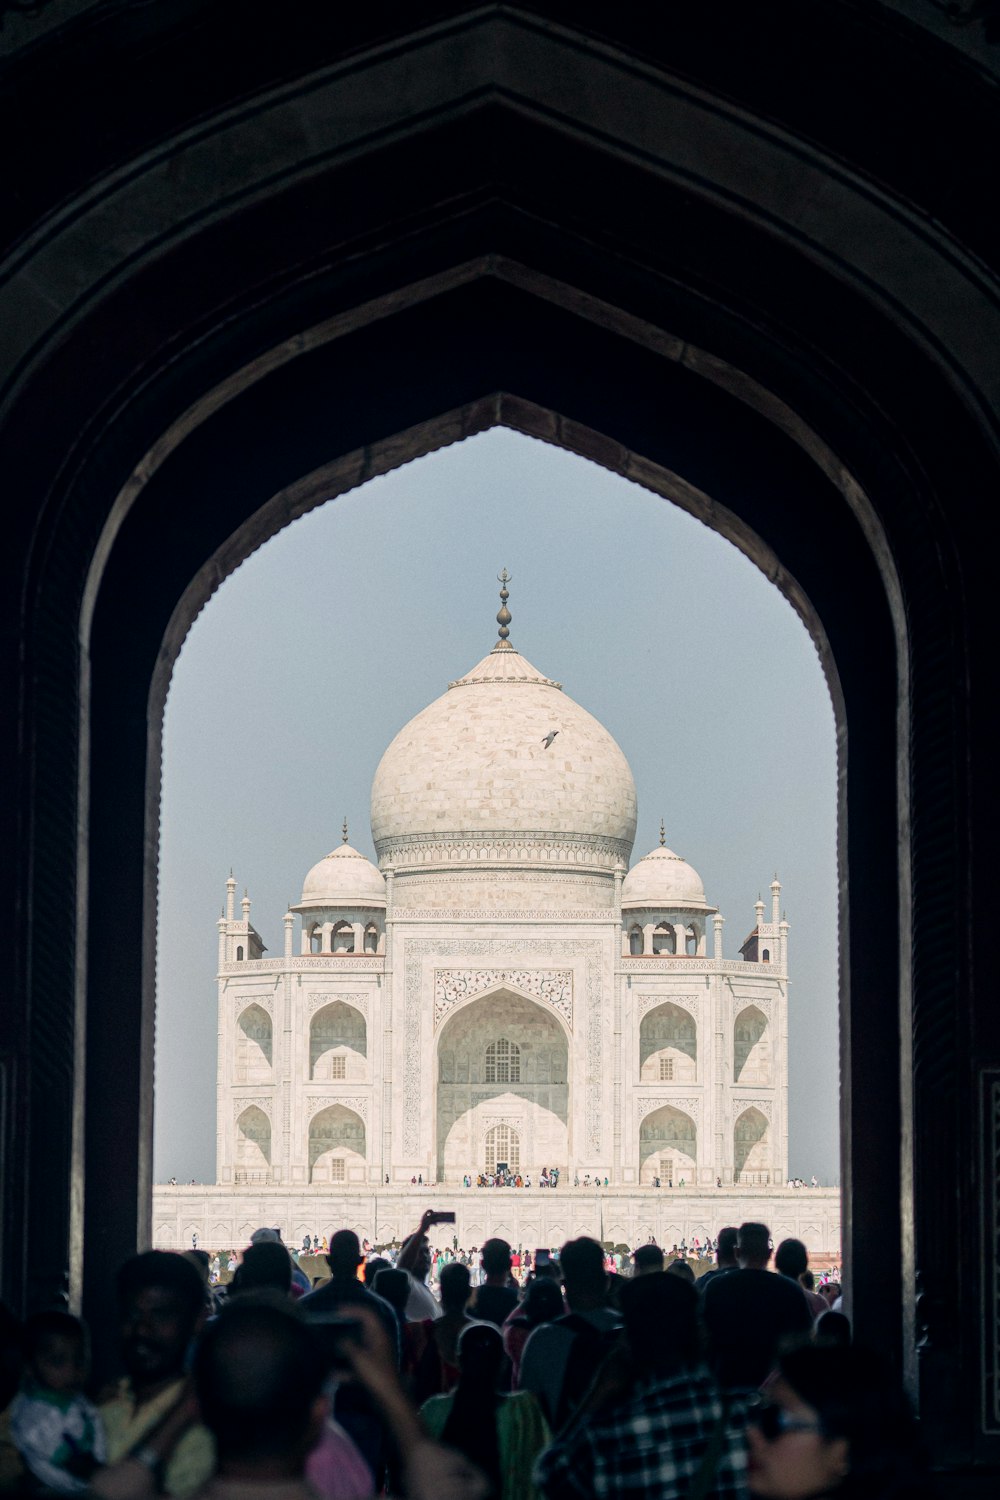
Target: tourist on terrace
[501,1435]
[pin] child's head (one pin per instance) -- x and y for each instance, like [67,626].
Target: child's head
[56,1350]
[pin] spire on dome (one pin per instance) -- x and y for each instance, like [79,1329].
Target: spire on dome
[343,830]
[503,613]
[663,835]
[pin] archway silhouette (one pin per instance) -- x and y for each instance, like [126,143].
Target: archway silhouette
[771,404]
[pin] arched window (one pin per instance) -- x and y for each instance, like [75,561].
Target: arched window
[371,938]
[666,1069]
[503,1144]
[343,938]
[503,1062]
[239,954]
[315,938]
[635,943]
[691,942]
[664,940]
[765,956]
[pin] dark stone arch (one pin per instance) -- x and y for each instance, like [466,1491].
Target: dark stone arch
[857,448]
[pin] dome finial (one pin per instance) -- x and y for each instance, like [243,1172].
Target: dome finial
[663,835]
[503,614]
[343,830]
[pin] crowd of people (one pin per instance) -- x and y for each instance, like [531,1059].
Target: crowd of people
[701,1375]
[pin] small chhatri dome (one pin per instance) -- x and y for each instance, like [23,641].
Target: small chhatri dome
[344,878]
[662,879]
[504,754]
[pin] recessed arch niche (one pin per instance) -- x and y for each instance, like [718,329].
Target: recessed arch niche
[668,1045]
[253,1045]
[253,1147]
[336,1145]
[751,1046]
[668,1147]
[752,1149]
[338,1042]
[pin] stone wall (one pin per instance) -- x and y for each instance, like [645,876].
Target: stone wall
[223,1217]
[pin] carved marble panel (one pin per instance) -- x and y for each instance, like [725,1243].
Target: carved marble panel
[316,999]
[553,986]
[317,1102]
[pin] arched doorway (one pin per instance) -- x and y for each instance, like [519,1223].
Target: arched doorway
[668,1148]
[502,1083]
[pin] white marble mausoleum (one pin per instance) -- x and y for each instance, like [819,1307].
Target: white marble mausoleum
[505,985]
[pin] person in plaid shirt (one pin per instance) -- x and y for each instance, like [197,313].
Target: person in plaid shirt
[654,1425]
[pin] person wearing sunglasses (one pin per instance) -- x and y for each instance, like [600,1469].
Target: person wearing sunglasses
[834,1422]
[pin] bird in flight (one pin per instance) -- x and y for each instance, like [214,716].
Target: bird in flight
[549,737]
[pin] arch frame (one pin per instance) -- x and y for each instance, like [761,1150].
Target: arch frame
[839,416]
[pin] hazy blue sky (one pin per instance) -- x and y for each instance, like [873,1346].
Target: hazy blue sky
[324,643]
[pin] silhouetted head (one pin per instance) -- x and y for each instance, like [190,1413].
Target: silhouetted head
[682,1269]
[660,1313]
[259,1374]
[496,1258]
[372,1268]
[582,1264]
[542,1302]
[455,1283]
[394,1286]
[791,1258]
[264,1265]
[753,1246]
[646,1259]
[480,1354]
[725,1252]
[344,1255]
[832,1328]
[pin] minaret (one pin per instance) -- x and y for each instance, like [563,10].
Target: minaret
[231,898]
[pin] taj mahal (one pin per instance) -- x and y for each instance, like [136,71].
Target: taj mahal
[504,988]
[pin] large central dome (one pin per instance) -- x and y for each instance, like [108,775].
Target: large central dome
[505,767]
